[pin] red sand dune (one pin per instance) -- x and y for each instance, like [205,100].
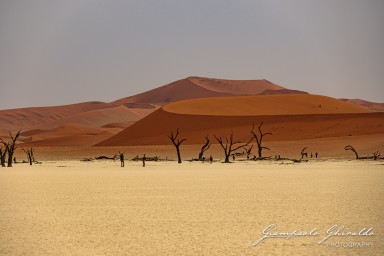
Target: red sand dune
[101,117]
[299,104]
[28,118]
[378,107]
[334,118]
[179,90]
[98,113]
[281,91]
[37,123]
[235,87]
[119,125]
[79,140]
[68,135]
[199,87]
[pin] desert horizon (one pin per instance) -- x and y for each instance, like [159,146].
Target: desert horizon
[198,107]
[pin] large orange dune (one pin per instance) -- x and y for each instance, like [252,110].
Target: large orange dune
[236,87]
[192,96]
[299,104]
[301,119]
[201,87]
[131,108]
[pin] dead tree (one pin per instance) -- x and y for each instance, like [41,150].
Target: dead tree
[106,157]
[204,148]
[259,139]
[376,155]
[3,155]
[230,146]
[303,153]
[29,152]
[249,151]
[176,142]
[10,146]
[349,147]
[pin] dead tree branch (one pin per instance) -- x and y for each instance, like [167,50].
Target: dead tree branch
[349,147]
[106,157]
[204,148]
[174,137]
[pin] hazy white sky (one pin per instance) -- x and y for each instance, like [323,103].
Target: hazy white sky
[58,52]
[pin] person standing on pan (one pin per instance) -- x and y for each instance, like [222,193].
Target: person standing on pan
[144,158]
[121,159]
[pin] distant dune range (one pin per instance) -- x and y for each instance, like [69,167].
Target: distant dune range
[197,106]
[288,117]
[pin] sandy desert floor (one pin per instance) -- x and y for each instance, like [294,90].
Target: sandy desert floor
[98,208]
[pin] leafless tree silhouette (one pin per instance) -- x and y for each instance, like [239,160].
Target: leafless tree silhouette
[259,135]
[303,153]
[174,137]
[10,146]
[30,155]
[349,147]
[204,148]
[376,155]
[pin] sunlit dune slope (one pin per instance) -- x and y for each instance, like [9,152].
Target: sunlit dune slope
[220,116]
[67,135]
[201,87]
[101,117]
[236,87]
[27,118]
[378,107]
[299,104]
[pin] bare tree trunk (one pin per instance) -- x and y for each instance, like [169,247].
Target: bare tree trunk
[376,155]
[3,155]
[204,148]
[176,142]
[30,155]
[259,139]
[349,147]
[178,155]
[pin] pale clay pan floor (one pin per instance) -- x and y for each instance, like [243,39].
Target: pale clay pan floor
[77,208]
